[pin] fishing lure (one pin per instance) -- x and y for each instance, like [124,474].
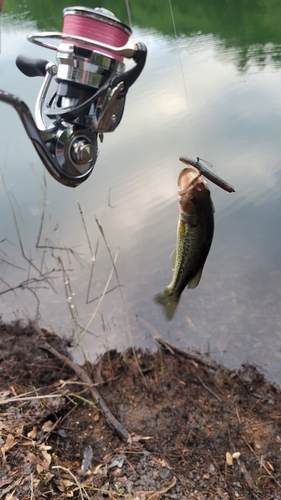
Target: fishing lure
[207,173]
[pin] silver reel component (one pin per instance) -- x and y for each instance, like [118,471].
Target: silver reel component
[91,86]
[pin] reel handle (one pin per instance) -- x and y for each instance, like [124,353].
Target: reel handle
[130,76]
[31,67]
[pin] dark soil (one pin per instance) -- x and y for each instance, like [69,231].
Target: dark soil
[186,421]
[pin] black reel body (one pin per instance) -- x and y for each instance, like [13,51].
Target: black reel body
[91,86]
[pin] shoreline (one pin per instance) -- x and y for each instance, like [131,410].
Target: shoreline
[195,429]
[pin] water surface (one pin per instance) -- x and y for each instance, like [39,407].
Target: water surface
[214,91]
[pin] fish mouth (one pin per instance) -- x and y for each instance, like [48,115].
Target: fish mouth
[188,178]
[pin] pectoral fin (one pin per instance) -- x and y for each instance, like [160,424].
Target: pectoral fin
[193,220]
[194,282]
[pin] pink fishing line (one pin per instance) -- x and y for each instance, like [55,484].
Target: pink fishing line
[95,30]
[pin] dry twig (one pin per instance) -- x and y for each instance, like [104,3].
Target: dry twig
[188,353]
[121,294]
[10,487]
[120,430]
[262,463]
[208,389]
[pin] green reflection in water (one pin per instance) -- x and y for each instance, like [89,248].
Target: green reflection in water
[244,26]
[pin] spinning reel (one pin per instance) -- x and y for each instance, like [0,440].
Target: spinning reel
[90,94]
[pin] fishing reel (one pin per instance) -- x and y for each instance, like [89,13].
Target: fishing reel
[91,87]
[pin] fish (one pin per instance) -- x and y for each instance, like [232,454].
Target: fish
[194,237]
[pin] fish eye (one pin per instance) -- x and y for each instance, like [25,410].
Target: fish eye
[194,200]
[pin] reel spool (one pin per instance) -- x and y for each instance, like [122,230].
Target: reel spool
[89,99]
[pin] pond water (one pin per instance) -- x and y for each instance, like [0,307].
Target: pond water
[211,91]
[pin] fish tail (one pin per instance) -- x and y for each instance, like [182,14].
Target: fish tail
[168,301]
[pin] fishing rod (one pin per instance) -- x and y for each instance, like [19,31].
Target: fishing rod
[91,87]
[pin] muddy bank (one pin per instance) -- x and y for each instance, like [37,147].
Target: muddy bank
[195,431]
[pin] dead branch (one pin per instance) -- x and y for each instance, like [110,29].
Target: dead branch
[248,478]
[93,255]
[10,487]
[85,229]
[208,389]
[42,214]
[81,336]
[188,353]
[69,294]
[26,284]
[9,196]
[11,264]
[50,246]
[262,463]
[101,295]
[121,293]
[120,430]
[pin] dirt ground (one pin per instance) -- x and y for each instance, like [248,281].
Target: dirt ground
[195,431]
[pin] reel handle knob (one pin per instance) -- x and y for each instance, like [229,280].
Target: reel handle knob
[31,67]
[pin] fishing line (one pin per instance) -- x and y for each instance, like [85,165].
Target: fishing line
[129,13]
[95,29]
[205,161]
[181,66]
[130,23]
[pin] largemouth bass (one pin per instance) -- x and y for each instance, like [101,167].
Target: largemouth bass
[194,237]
